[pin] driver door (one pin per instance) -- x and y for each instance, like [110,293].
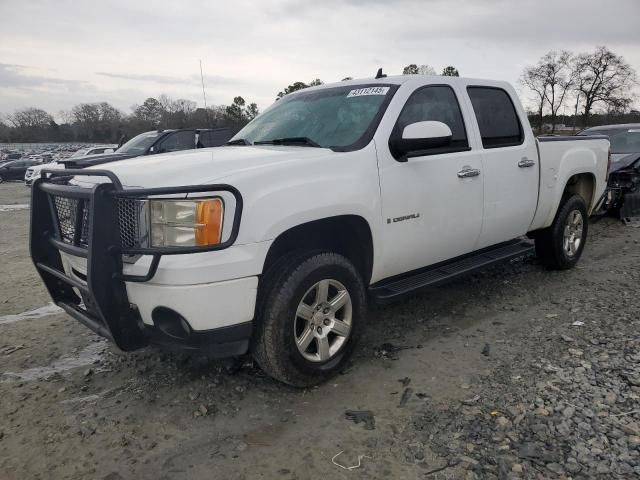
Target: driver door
[17,170]
[432,210]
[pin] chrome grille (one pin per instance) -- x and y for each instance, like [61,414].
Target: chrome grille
[130,217]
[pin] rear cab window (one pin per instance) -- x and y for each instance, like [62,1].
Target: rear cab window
[497,117]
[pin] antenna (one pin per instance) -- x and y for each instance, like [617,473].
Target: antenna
[380,74]
[204,95]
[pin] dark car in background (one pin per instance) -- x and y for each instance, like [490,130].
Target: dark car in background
[15,169]
[623,188]
[147,143]
[154,142]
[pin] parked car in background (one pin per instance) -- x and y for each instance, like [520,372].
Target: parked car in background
[623,188]
[33,173]
[154,142]
[16,169]
[335,195]
[83,152]
[148,143]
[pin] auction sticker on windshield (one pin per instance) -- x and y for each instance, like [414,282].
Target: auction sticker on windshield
[360,92]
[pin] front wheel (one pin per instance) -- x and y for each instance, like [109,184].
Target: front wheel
[310,310]
[560,246]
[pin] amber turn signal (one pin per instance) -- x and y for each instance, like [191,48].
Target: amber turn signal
[209,214]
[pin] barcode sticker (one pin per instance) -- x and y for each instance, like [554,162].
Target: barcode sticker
[361,92]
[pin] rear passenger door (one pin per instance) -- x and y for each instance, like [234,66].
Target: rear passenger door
[510,165]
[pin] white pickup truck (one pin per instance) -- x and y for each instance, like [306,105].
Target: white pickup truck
[335,196]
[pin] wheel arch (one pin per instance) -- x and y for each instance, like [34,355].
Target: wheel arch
[348,235]
[582,184]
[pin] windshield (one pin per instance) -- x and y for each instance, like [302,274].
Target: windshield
[329,118]
[623,140]
[139,144]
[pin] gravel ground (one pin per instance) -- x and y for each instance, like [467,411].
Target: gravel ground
[513,373]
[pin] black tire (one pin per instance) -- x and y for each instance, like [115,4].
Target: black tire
[550,245]
[1,179]
[282,289]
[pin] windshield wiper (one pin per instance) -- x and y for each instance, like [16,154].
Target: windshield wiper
[303,141]
[239,141]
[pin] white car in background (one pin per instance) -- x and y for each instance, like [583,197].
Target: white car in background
[97,150]
[33,173]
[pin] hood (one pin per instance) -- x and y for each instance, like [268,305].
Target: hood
[623,160]
[90,160]
[202,166]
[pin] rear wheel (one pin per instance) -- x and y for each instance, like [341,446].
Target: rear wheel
[560,246]
[310,310]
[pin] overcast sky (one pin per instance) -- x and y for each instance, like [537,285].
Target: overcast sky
[57,53]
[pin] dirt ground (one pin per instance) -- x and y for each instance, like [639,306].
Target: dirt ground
[516,372]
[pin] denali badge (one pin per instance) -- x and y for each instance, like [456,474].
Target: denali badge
[403,218]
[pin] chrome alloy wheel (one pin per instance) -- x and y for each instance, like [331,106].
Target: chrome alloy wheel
[572,237]
[323,320]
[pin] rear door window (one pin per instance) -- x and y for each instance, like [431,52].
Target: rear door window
[497,117]
[214,138]
[176,141]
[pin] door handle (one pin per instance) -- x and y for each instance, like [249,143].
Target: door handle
[525,162]
[467,172]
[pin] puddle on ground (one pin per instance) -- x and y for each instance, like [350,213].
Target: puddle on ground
[83,358]
[51,309]
[11,208]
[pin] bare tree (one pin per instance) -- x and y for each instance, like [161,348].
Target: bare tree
[535,79]
[602,77]
[30,118]
[559,77]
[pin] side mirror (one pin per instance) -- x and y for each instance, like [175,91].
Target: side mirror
[152,149]
[421,136]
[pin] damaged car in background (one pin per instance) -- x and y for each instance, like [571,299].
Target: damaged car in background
[623,190]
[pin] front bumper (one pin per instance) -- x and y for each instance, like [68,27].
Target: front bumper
[100,295]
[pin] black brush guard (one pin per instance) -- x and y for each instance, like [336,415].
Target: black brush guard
[103,305]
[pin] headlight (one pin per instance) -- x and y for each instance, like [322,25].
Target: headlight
[186,223]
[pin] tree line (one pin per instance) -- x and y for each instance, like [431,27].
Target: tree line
[411,69]
[101,122]
[598,83]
